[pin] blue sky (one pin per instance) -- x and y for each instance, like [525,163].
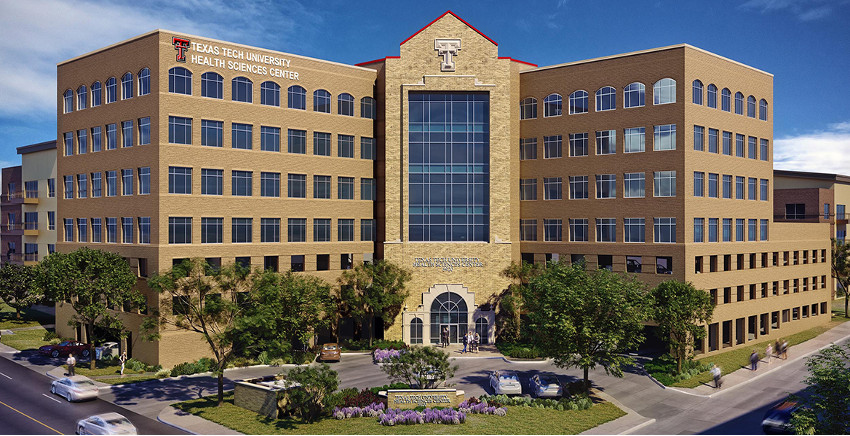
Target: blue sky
[804,43]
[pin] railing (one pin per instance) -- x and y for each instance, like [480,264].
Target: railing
[9,196]
[31,225]
[30,257]
[11,257]
[31,193]
[12,226]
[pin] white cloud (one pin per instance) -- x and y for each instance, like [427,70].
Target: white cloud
[38,34]
[804,10]
[823,151]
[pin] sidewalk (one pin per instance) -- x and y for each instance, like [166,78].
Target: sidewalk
[744,376]
[190,423]
[631,422]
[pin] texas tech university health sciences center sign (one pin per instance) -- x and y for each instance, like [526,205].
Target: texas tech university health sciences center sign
[219,56]
[413,398]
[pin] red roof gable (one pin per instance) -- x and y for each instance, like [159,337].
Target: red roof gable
[459,18]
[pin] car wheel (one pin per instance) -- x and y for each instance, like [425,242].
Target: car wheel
[52,389]
[85,353]
[54,353]
[68,396]
[81,430]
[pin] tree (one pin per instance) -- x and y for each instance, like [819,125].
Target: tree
[315,384]
[841,270]
[19,287]
[510,305]
[426,367]
[205,301]
[284,309]
[681,310]
[825,407]
[373,289]
[95,283]
[584,319]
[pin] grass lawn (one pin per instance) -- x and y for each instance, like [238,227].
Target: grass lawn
[520,420]
[29,318]
[734,360]
[102,368]
[127,379]
[26,339]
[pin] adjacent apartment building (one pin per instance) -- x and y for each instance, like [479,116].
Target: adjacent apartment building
[447,159]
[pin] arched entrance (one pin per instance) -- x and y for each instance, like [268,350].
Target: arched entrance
[448,310]
[482,327]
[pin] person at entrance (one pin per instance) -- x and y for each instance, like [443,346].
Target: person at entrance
[444,335]
[475,341]
[465,342]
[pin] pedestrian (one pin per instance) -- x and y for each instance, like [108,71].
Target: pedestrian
[446,336]
[784,350]
[476,341]
[754,360]
[715,372]
[71,362]
[465,342]
[768,353]
[123,359]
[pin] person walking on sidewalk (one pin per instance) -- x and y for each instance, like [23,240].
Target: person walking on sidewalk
[476,340]
[768,352]
[123,360]
[465,342]
[754,360]
[785,350]
[71,363]
[715,372]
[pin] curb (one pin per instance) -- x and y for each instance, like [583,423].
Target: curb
[158,418]
[639,426]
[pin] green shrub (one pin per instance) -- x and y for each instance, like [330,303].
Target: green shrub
[518,351]
[375,390]
[663,369]
[135,365]
[163,373]
[185,368]
[312,398]
[49,335]
[581,402]
[363,345]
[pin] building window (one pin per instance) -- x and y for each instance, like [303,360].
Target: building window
[144,180]
[127,86]
[269,184]
[606,230]
[664,91]
[727,229]
[739,187]
[126,230]
[739,145]
[212,133]
[528,148]
[712,229]
[699,184]
[606,99]
[321,144]
[96,137]
[712,141]
[578,102]
[606,186]
[269,229]
[179,81]
[527,189]
[69,229]
[699,229]
[711,96]
[665,137]
[179,230]
[727,143]
[751,106]
[726,100]
[368,108]
[367,230]
[764,149]
[825,210]
[127,134]
[634,95]
[697,87]
[241,229]
[179,180]
[82,230]
[739,229]
[297,186]
[739,103]
[111,183]
[345,230]
[367,189]
[112,230]
[606,142]
[763,230]
[112,136]
[712,185]
[578,144]
[82,186]
[699,138]
[270,93]
[297,97]
[367,148]
[763,110]
[241,181]
[144,81]
[665,230]
[179,130]
[297,230]
[112,89]
[270,138]
[242,136]
[345,104]
[321,186]
[751,188]
[144,131]
[634,185]
[578,188]
[552,147]
[212,85]
[69,143]
[82,141]
[297,141]
[212,230]
[528,230]
[96,189]
[51,188]
[634,229]
[96,94]
[96,236]
[839,208]
[144,230]
[751,230]
[345,188]
[242,89]
[552,188]
[578,230]
[322,101]
[68,98]
[345,146]
[552,230]
[82,97]
[212,182]
[528,108]
[552,105]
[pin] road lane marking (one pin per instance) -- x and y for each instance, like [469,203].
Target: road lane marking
[51,398]
[4,375]
[30,417]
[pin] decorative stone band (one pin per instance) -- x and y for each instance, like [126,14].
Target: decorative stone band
[447,263]
[413,398]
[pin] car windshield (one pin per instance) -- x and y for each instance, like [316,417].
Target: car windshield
[84,383]
[548,380]
[330,347]
[508,377]
[64,344]
[116,422]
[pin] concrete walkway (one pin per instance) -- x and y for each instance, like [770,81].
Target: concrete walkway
[190,423]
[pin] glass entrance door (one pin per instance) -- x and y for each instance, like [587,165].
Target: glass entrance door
[448,310]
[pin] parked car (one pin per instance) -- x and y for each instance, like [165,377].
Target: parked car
[109,349]
[777,419]
[505,382]
[329,351]
[74,388]
[65,348]
[106,423]
[546,385]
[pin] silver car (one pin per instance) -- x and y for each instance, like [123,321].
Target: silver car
[75,388]
[545,385]
[505,382]
[107,423]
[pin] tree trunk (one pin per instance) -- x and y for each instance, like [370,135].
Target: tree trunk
[17,313]
[846,301]
[220,386]
[92,362]
[587,379]
[679,361]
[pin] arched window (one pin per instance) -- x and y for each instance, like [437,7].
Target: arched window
[578,102]
[726,100]
[751,106]
[270,93]
[82,97]
[697,92]
[482,327]
[664,91]
[739,103]
[552,105]
[345,104]
[634,95]
[528,108]
[322,101]
[711,96]
[242,89]
[126,86]
[368,108]
[212,85]
[111,90]
[606,99]
[96,94]
[180,81]
[69,101]
[145,81]
[448,310]
[763,110]
[297,97]
[416,331]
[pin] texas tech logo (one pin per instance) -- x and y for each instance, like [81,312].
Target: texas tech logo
[181,45]
[447,48]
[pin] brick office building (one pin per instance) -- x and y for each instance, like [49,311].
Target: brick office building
[448,159]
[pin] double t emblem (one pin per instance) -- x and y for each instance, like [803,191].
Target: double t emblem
[447,48]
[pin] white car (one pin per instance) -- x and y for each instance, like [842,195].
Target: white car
[545,385]
[109,349]
[107,423]
[75,388]
[505,382]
